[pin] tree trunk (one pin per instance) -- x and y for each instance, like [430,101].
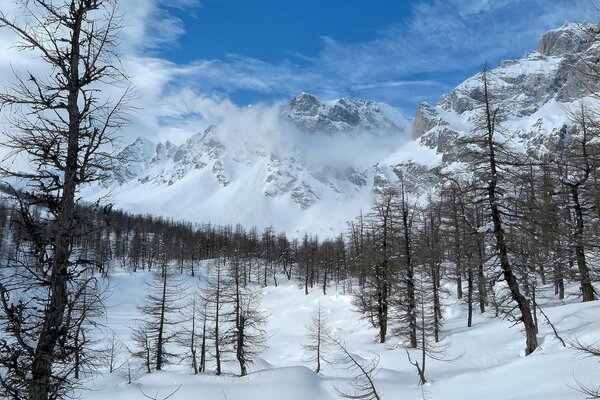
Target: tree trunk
[501,245]
[410,284]
[161,326]
[470,296]
[43,355]
[240,346]
[587,290]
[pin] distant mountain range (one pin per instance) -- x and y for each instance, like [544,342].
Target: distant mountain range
[319,163]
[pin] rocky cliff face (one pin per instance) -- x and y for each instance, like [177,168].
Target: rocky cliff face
[532,93]
[310,114]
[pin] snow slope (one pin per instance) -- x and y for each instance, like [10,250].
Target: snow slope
[489,360]
[302,166]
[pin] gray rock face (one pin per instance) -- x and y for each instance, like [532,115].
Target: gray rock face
[426,118]
[304,196]
[133,160]
[310,114]
[569,39]
[519,86]
[419,178]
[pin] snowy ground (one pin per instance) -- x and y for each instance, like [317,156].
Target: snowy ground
[491,361]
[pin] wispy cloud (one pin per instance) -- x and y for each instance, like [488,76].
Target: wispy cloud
[407,62]
[442,36]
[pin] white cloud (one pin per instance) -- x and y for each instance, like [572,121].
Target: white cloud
[440,36]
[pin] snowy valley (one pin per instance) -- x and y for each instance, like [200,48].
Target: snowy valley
[307,248]
[486,360]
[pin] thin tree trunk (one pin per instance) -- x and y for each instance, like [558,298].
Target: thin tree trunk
[470,296]
[161,326]
[587,290]
[509,277]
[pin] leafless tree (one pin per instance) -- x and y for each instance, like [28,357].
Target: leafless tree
[214,295]
[493,162]
[160,316]
[242,307]
[363,386]
[319,342]
[62,125]
[115,352]
[192,332]
[430,343]
[576,164]
[587,350]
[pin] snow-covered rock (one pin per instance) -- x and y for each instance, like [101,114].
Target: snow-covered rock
[310,114]
[533,94]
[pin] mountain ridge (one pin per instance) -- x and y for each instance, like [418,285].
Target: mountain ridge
[313,164]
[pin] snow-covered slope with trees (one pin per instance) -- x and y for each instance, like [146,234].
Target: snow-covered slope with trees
[485,361]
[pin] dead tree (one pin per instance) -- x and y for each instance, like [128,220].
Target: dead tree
[587,350]
[114,354]
[363,386]
[62,126]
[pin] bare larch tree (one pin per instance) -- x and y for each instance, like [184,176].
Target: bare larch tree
[62,124]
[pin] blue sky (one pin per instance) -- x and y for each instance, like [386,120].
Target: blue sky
[276,30]
[398,51]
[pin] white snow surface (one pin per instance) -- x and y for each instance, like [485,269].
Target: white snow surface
[488,363]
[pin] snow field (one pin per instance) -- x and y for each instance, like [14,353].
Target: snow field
[488,363]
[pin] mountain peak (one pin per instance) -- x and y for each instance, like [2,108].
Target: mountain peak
[305,103]
[568,39]
[311,114]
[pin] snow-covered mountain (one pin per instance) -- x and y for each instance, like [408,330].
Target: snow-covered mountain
[534,94]
[310,114]
[299,166]
[311,165]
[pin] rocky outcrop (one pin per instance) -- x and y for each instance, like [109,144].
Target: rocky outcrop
[310,114]
[426,119]
[558,72]
[568,39]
